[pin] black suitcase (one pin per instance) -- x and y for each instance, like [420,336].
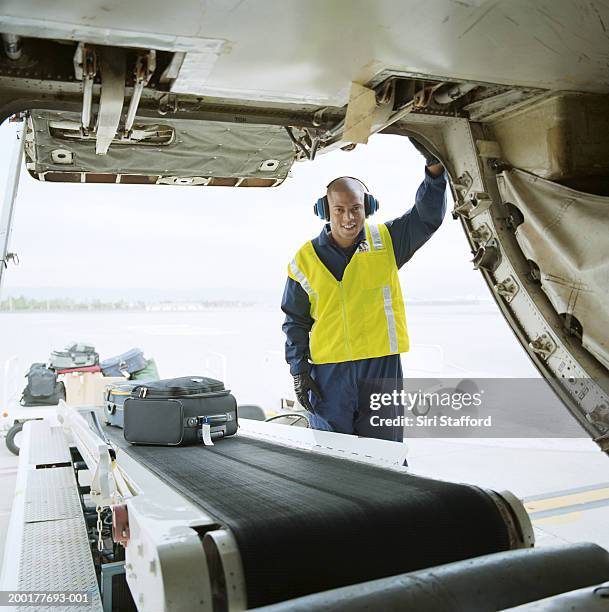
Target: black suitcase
[179,411]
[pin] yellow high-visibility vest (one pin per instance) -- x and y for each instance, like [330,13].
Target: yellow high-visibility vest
[361,316]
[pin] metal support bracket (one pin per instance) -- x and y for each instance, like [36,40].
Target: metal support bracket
[106,490]
[482,234]
[168,103]
[476,204]
[144,69]
[488,256]
[108,571]
[8,206]
[543,346]
[507,288]
[599,416]
[463,183]
[85,69]
[111,99]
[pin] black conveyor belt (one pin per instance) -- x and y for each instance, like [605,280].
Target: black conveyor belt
[307,522]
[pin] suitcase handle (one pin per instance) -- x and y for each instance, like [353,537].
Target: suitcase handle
[212,427]
[142,392]
[122,368]
[212,420]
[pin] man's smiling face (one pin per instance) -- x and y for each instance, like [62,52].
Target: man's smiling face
[347,213]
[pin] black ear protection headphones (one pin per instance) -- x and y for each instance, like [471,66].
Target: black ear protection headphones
[321,208]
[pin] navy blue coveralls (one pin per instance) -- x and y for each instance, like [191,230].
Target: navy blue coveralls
[346,386]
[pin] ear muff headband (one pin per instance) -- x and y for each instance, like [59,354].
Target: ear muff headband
[321,208]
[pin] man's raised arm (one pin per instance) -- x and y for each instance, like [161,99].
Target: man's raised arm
[414,228]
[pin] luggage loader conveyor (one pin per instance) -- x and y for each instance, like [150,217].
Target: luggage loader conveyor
[47,544]
[277,513]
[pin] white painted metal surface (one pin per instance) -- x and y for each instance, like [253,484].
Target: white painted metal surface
[165,564]
[383,453]
[230,557]
[95,453]
[165,560]
[290,50]
[10,391]
[47,547]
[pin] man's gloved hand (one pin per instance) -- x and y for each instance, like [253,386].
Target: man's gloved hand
[430,158]
[303,383]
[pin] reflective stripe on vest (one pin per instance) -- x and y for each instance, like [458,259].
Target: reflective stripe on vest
[375,233]
[300,277]
[391,330]
[361,316]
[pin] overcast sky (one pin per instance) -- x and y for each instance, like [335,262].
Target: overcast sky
[214,239]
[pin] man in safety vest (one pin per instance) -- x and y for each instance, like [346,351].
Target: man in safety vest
[345,322]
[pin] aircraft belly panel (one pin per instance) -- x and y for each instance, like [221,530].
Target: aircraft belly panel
[289,50]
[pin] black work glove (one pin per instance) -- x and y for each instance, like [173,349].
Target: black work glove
[303,383]
[430,158]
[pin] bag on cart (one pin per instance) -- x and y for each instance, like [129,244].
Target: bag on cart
[179,411]
[149,372]
[74,356]
[124,364]
[42,387]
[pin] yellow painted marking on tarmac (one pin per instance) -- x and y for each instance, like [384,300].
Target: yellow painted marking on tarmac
[551,503]
[569,517]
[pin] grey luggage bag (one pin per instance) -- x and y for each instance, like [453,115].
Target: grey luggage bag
[124,364]
[43,388]
[115,397]
[74,356]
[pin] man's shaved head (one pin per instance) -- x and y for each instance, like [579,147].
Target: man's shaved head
[347,209]
[346,184]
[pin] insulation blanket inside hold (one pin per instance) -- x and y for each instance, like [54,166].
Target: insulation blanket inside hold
[565,233]
[306,522]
